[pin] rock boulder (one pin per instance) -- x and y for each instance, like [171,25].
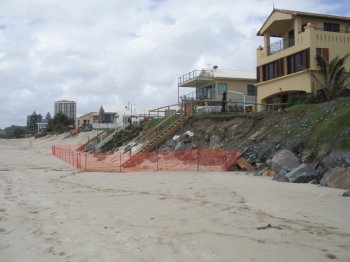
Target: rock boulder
[284,160]
[301,170]
[337,177]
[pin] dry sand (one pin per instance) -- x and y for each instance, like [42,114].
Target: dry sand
[50,211]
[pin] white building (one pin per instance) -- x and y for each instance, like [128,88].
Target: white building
[69,108]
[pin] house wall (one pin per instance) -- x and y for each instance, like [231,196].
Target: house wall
[237,86]
[337,43]
[87,119]
[300,81]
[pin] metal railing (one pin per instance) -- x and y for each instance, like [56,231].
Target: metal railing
[197,96]
[280,45]
[194,74]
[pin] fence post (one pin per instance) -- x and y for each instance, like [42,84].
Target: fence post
[120,161]
[197,159]
[85,160]
[80,159]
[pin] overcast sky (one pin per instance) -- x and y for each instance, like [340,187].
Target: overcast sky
[111,52]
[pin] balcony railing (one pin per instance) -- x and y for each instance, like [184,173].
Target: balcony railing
[280,45]
[195,74]
[199,96]
[287,42]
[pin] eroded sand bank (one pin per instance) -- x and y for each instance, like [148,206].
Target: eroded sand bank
[50,211]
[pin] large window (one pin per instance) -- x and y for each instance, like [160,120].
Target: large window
[298,62]
[251,90]
[205,92]
[273,70]
[331,27]
[222,87]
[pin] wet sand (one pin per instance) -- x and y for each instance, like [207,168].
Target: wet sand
[50,211]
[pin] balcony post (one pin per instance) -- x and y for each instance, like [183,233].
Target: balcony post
[267,43]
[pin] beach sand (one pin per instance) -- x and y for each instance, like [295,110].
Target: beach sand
[50,211]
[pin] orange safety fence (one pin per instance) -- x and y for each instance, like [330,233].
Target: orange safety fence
[202,159]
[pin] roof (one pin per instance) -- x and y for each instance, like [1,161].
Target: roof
[43,122]
[305,14]
[85,115]
[236,74]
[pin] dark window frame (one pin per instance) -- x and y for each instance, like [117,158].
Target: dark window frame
[331,27]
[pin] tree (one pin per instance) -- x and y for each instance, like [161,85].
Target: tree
[59,123]
[48,116]
[334,77]
[33,120]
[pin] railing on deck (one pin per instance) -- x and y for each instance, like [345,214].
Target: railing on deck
[198,96]
[287,42]
[194,74]
[280,45]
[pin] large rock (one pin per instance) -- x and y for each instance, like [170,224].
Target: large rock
[284,160]
[346,193]
[281,176]
[301,170]
[336,159]
[337,177]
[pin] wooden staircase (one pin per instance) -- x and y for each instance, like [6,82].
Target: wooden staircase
[154,138]
[163,136]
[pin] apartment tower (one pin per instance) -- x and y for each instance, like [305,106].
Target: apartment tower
[69,108]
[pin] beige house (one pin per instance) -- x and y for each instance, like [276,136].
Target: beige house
[286,67]
[210,84]
[86,120]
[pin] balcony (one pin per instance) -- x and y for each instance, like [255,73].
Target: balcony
[195,78]
[311,36]
[280,45]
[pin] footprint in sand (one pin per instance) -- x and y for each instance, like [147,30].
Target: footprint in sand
[2,209]
[2,230]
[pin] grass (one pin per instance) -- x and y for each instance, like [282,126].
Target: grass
[303,108]
[328,129]
[154,122]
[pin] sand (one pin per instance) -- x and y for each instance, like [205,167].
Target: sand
[50,211]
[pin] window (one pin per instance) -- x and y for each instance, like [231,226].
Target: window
[251,90]
[298,62]
[222,87]
[273,70]
[205,93]
[331,27]
[324,53]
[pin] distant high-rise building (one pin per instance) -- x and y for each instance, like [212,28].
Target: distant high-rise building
[69,108]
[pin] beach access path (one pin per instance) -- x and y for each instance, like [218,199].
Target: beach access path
[50,211]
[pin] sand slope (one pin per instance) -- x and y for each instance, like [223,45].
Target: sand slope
[52,212]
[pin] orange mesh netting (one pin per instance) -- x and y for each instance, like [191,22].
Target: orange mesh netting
[204,159]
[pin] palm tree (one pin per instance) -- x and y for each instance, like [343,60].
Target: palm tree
[334,77]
